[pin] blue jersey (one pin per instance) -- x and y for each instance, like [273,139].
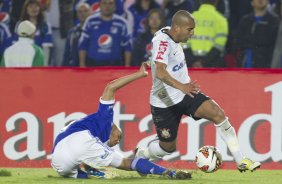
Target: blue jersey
[105,41]
[99,124]
[95,5]
[42,37]
[6,6]
[5,38]
[139,18]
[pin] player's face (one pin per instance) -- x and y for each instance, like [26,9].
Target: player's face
[186,31]
[82,13]
[107,7]
[114,137]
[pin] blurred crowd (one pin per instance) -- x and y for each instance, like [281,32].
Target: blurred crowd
[87,33]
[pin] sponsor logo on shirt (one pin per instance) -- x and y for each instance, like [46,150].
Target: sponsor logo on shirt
[105,41]
[178,67]
[162,48]
[95,7]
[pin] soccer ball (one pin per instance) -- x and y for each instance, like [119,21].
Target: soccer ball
[208,159]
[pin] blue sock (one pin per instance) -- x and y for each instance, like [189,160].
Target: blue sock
[81,174]
[144,166]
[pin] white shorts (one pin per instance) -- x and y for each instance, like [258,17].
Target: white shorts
[81,147]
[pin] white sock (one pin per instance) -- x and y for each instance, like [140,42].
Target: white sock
[154,151]
[228,134]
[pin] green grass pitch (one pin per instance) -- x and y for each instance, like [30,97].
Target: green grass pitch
[48,176]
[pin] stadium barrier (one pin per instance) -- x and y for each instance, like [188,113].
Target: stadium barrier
[36,103]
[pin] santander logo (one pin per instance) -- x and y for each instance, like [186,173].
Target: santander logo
[34,149]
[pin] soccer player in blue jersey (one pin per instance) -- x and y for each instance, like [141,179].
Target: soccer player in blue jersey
[89,140]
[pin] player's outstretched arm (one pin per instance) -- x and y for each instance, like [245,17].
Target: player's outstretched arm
[113,86]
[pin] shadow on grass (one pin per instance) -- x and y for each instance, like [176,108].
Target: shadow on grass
[4,172]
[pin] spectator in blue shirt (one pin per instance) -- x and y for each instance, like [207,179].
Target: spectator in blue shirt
[5,6]
[142,45]
[95,5]
[137,14]
[105,40]
[5,38]
[83,11]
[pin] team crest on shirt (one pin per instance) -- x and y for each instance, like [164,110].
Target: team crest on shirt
[110,107]
[162,48]
[162,94]
[114,30]
[165,133]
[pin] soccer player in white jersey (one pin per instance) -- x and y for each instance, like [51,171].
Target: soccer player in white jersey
[173,94]
[89,141]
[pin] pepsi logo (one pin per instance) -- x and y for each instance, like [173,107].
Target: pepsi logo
[95,7]
[142,22]
[105,41]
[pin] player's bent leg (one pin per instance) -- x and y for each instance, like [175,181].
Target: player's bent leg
[144,167]
[93,172]
[156,150]
[69,172]
[228,134]
[210,110]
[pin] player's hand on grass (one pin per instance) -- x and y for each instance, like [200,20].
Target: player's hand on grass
[191,88]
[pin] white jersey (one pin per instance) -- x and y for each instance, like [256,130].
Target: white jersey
[167,51]
[81,147]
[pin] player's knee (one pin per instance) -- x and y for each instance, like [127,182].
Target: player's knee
[219,115]
[168,147]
